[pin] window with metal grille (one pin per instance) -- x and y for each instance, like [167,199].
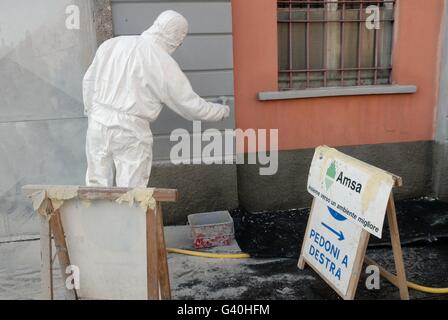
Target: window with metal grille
[326,43]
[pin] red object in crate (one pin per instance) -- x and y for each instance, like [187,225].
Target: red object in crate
[211,229]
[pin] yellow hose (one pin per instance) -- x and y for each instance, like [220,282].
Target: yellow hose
[209,254]
[427,289]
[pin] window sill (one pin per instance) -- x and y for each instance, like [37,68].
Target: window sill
[336,92]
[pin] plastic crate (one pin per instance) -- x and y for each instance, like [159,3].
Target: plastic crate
[211,229]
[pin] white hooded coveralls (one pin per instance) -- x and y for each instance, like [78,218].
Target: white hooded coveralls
[124,88]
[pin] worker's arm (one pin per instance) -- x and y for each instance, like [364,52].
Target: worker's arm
[88,86]
[180,97]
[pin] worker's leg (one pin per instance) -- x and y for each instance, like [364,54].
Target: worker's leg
[132,156]
[99,159]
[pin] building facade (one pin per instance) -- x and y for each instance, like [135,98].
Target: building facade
[367,77]
[386,111]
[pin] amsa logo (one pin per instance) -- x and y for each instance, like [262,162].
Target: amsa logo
[333,176]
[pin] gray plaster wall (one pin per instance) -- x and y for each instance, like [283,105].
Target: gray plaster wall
[42,127]
[287,189]
[441,148]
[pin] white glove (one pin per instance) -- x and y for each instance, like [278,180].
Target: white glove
[223,99]
[226,112]
[224,103]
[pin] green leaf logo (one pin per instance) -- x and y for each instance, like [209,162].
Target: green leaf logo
[331,174]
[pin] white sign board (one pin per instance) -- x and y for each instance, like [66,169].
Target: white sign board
[331,245]
[107,243]
[355,189]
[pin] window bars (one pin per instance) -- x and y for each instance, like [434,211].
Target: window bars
[328,43]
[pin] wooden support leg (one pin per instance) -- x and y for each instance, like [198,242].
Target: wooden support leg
[396,247]
[301,263]
[357,265]
[151,255]
[386,274]
[45,254]
[62,251]
[164,276]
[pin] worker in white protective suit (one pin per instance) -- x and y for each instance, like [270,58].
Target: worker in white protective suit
[124,88]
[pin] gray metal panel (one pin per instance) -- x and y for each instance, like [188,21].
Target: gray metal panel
[169,120]
[203,17]
[162,148]
[212,83]
[205,52]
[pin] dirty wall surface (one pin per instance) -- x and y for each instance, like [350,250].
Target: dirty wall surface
[42,126]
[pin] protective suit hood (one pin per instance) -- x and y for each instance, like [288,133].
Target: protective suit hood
[169,30]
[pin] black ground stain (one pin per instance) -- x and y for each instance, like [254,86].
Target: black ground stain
[278,236]
[273,234]
[423,227]
[280,279]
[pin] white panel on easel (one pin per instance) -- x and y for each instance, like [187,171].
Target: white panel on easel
[107,242]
